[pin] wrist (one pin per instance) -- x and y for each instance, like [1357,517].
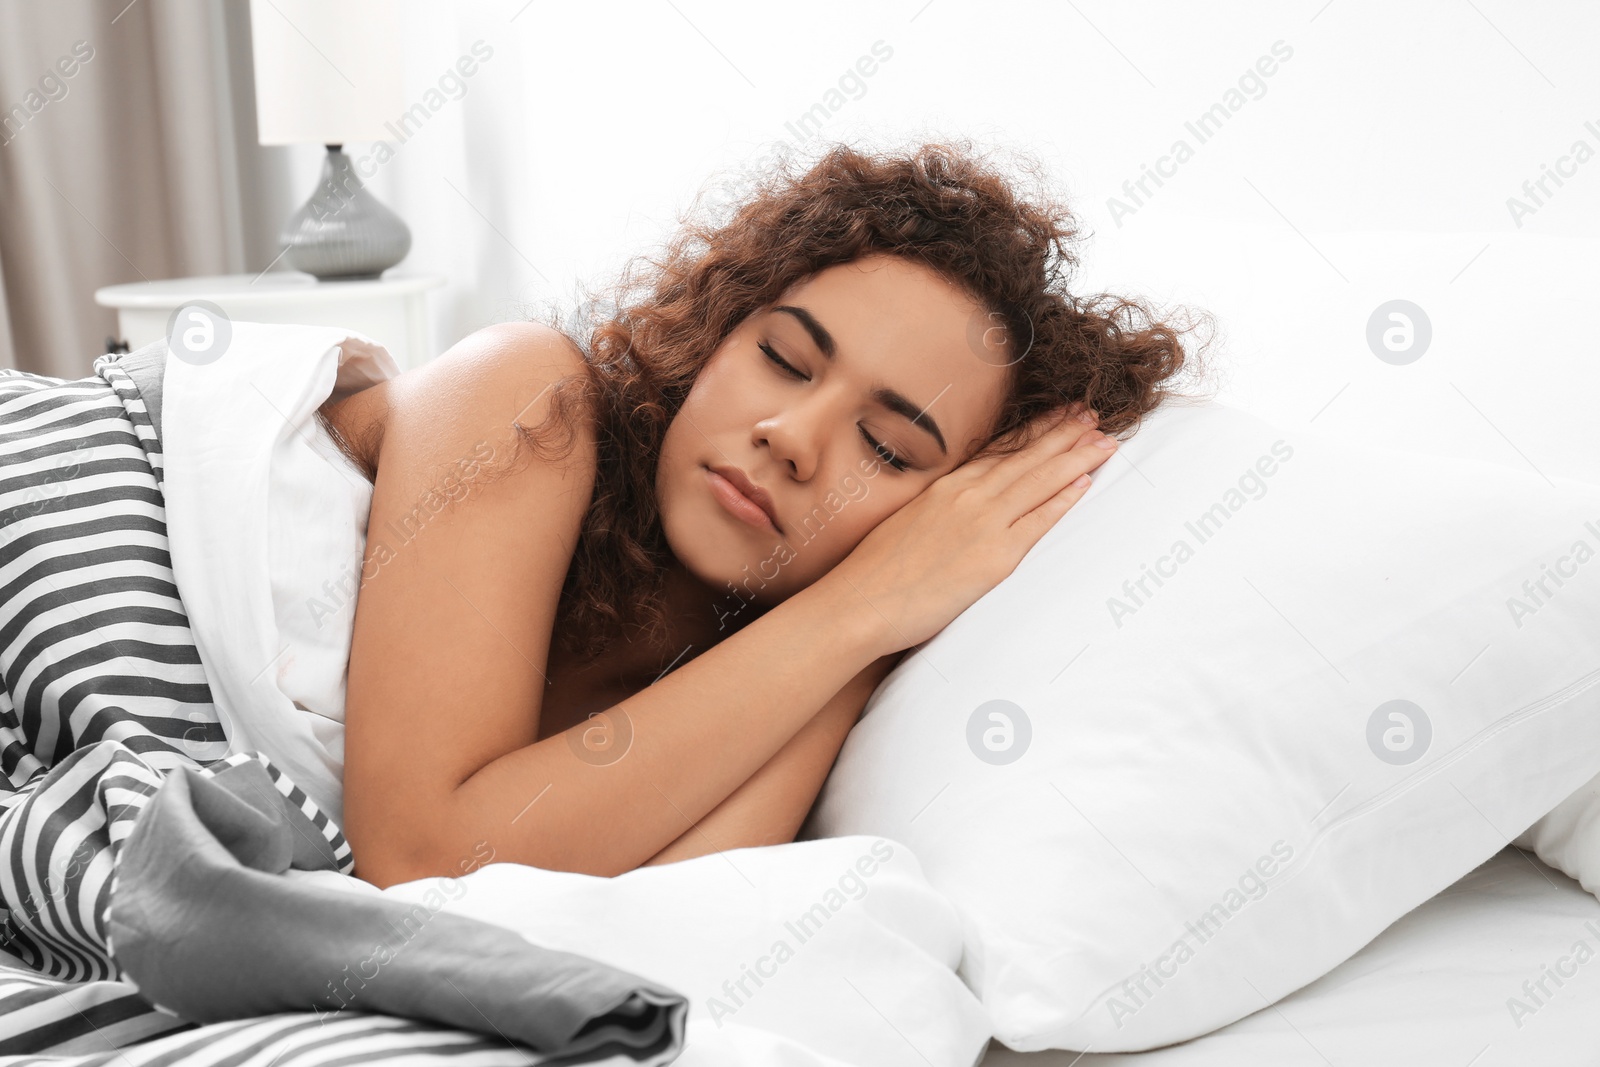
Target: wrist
[846,611]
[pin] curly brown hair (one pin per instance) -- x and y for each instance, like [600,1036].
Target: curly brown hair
[941,205]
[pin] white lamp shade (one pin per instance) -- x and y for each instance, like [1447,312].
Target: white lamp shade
[327,71]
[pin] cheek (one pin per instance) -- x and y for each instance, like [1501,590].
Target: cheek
[712,401]
[724,377]
[674,448]
[859,511]
[725,397]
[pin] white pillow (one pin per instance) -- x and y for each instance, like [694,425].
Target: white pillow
[1568,838]
[1261,693]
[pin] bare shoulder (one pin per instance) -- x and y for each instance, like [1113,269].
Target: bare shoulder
[469,412]
[492,369]
[456,428]
[506,351]
[496,362]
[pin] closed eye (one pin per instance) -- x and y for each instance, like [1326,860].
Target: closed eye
[775,358]
[884,454]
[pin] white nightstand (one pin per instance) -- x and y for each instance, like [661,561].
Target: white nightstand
[392,310]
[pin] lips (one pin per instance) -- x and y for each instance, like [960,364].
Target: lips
[751,492]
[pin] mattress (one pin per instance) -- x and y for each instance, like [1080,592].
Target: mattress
[1500,970]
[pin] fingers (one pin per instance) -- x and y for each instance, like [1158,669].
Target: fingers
[1044,478]
[1081,411]
[1052,431]
[1071,423]
[1085,414]
[1062,435]
[1036,523]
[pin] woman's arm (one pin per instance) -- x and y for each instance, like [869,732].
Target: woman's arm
[467,551]
[769,808]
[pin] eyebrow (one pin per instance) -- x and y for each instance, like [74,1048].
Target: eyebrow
[889,398]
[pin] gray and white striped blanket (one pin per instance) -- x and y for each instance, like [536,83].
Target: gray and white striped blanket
[128,831]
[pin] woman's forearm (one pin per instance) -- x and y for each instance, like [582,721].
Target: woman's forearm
[769,808]
[696,736]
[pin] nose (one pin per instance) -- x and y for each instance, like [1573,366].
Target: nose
[787,444]
[794,436]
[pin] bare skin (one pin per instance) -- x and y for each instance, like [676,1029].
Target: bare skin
[462,712]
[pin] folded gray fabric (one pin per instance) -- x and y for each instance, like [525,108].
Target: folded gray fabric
[205,924]
[147,366]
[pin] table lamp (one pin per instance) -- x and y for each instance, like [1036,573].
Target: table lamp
[329,72]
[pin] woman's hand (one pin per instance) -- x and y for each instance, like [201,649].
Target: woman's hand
[967,531]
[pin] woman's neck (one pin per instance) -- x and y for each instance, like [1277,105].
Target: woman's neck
[700,615]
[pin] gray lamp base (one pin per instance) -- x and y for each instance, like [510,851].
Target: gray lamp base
[343,233]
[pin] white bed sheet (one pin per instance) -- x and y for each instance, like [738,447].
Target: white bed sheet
[1437,987]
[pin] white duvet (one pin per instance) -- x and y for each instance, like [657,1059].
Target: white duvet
[267,525]
[811,954]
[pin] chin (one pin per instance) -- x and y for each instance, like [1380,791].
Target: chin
[707,553]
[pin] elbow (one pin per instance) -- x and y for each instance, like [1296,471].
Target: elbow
[384,867]
[377,861]
[435,838]
[383,874]
[384,862]
[391,846]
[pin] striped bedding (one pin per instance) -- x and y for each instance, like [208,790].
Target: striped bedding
[103,701]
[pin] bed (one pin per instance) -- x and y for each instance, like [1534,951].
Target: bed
[1454,982]
[1495,969]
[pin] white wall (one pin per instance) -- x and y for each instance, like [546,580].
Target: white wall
[591,126]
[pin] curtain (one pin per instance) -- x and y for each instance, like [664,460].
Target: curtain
[127,153]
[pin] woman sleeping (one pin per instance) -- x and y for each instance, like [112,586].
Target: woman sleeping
[644,586]
[691,547]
